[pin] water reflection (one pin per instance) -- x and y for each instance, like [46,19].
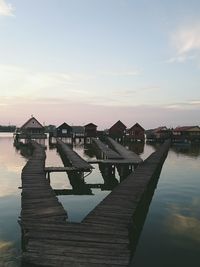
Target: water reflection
[185,221]
[184,226]
[137,147]
[170,226]
[76,178]
[142,211]
[10,167]
[108,174]
[25,150]
[8,254]
[89,151]
[190,150]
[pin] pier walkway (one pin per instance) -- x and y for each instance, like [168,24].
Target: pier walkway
[123,151]
[103,151]
[39,202]
[104,237]
[74,159]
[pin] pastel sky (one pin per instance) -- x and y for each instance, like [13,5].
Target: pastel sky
[98,61]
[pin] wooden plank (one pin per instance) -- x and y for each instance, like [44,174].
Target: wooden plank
[123,151]
[107,152]
[75,160]
[101,239]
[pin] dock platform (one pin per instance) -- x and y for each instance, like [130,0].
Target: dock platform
[104,237]
[123,151]
[74,159]
[104,152]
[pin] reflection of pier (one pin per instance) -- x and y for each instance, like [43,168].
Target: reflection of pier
[106,236]
[108,174]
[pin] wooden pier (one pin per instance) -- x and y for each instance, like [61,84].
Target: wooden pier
[118,156]
[73,158]
[123,151]
[39,202]
[104,152]
[103,238]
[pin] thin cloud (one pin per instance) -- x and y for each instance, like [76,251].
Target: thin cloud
[190,104]
[133,92]
[6,9]
[123,73]
[18,81]
[180,59]
[186,42]
[195,102]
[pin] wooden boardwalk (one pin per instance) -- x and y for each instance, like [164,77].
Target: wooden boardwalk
[39,202]
[103,238]
[104,151]
[123,151]
[75,160]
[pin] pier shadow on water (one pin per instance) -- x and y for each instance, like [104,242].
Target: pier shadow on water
[136,227]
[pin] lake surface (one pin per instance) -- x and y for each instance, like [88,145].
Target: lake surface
[171,232]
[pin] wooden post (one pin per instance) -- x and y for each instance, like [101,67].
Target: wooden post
[48,177]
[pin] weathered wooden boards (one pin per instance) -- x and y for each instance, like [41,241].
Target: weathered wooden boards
[119,206]
[105,152]
[75,160]
[123,152]
[103,237]
[118,154]
[39,202]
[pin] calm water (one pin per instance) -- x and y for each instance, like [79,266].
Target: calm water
[171,232]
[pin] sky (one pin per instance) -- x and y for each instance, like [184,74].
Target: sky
[81,61]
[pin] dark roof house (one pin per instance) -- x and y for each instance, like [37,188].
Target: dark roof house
[64,130]
[186,133]
[160,133]
[90,130]
[118,130]
[136,133]
[78,131]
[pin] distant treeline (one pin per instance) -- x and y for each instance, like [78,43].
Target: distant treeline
[9,128]
[12,128]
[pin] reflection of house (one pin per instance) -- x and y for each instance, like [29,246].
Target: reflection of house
[136,133]
[186,133]
[64,130]
[118,131]
[32,129]
[90,130]
[158,134]
[137,147]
